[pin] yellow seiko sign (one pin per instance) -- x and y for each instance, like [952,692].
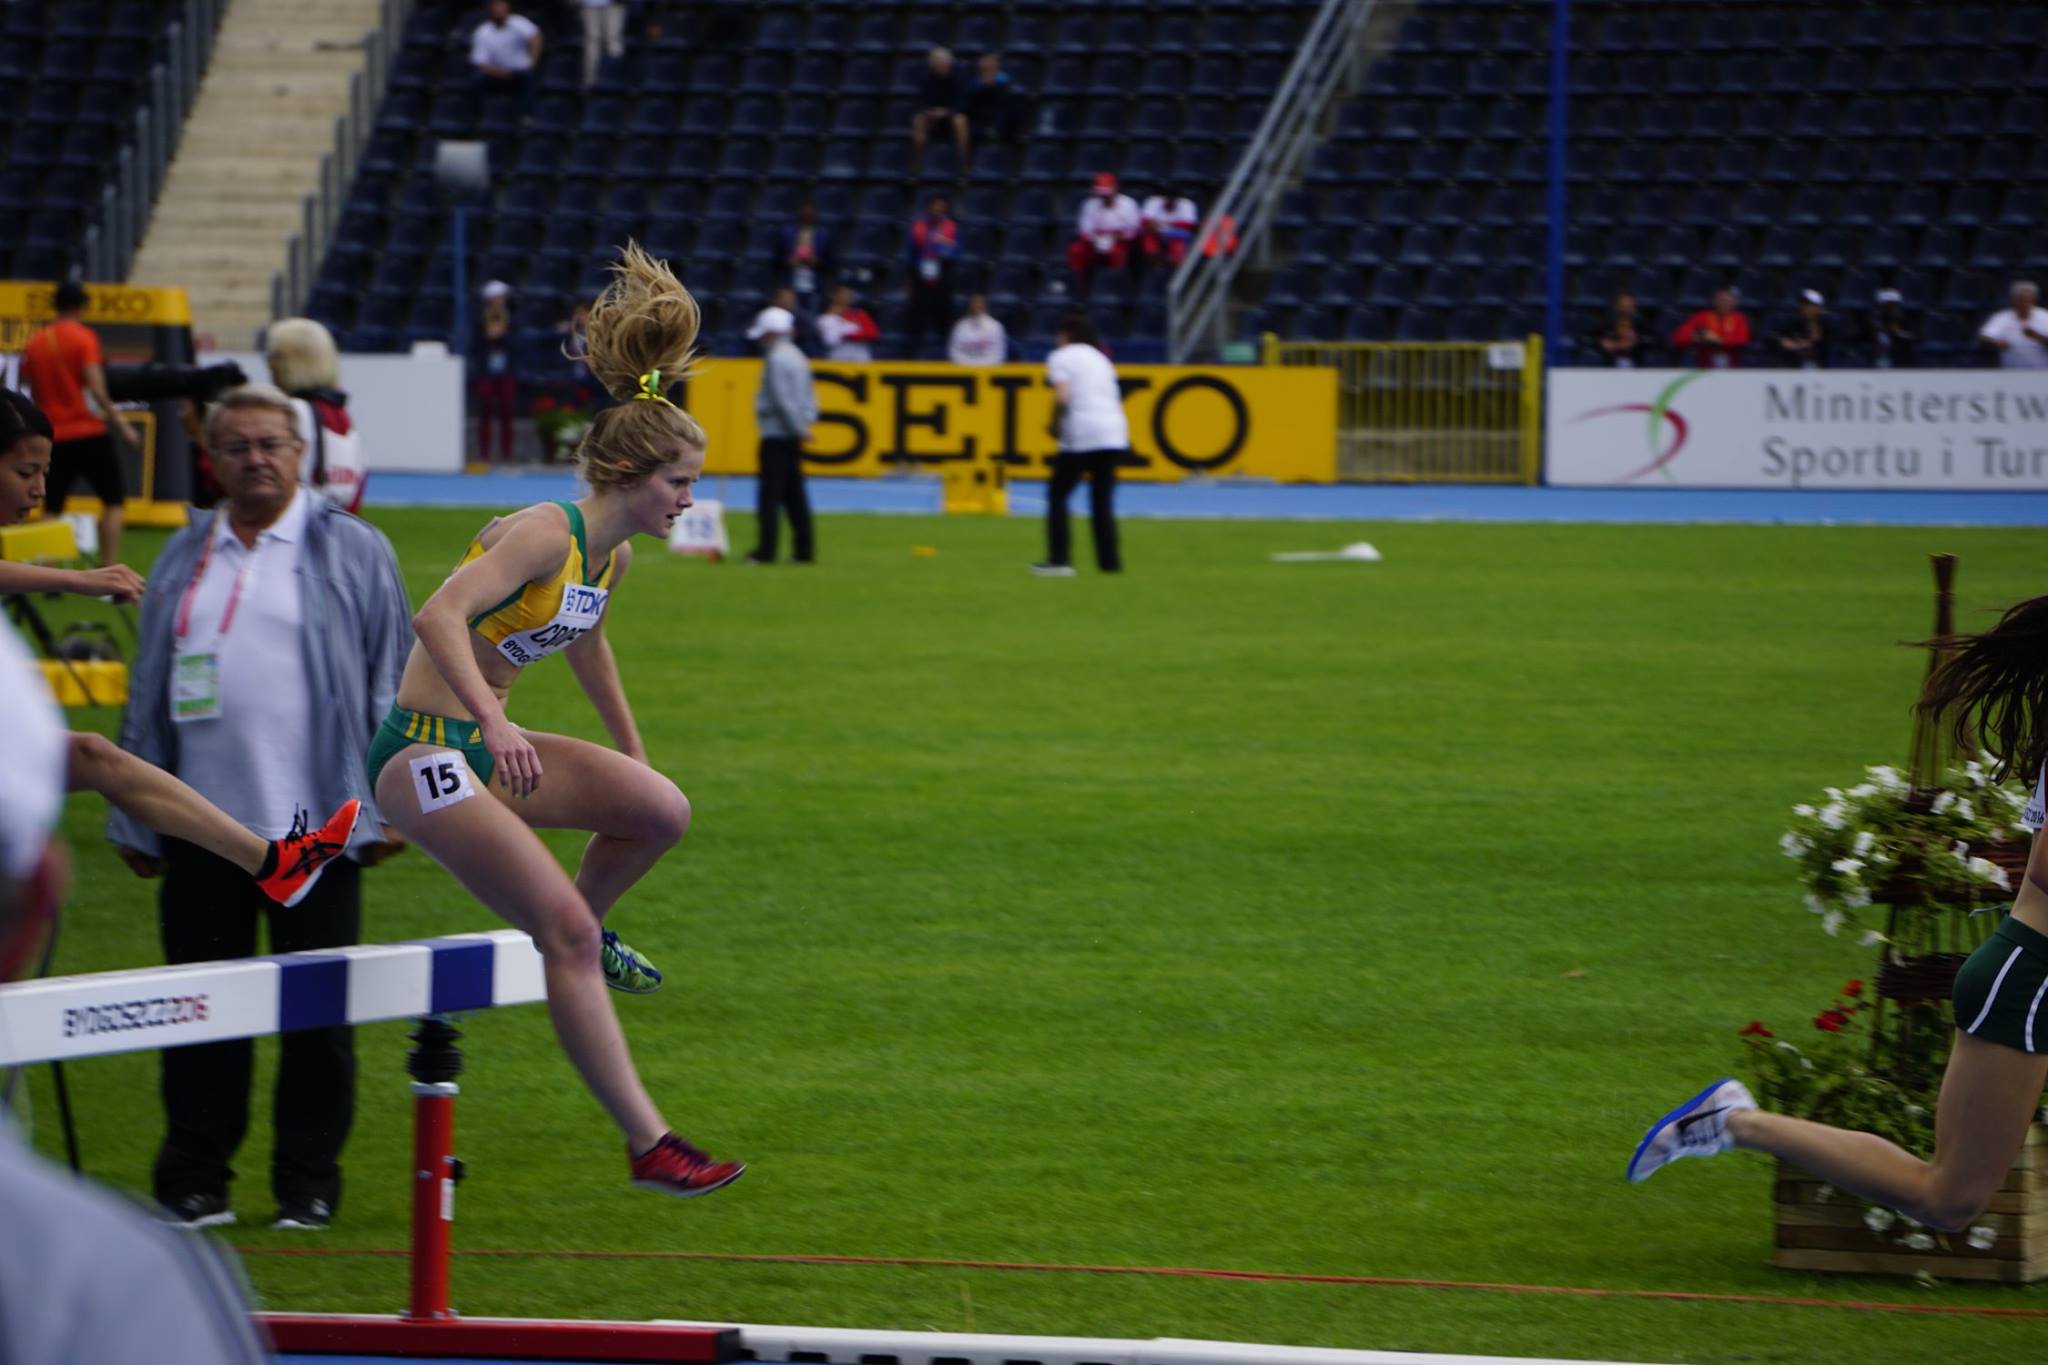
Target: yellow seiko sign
[1258,422]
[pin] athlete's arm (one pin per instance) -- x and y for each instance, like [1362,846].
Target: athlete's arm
[531,549]
[591,660]
[117,581]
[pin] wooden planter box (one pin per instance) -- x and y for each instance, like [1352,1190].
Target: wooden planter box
[1812,1235]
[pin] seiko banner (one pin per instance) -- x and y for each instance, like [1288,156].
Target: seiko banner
[1847,429]
[1226,421]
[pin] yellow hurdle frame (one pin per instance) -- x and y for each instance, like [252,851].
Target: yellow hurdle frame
[1431,411]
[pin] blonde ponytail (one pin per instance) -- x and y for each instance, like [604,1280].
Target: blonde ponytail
[641,338]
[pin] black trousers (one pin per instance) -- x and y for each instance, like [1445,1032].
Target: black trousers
[931,315]
[1067,468]
[208,909]
[780,488]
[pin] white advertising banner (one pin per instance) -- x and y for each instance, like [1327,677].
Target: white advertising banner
[1830,429]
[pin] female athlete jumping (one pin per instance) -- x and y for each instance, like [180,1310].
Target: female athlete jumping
[1997,689]
[285,868]
[467,785]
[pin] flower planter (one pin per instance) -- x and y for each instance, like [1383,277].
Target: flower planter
[1813,1232]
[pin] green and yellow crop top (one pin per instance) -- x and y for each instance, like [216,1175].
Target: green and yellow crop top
[546,618]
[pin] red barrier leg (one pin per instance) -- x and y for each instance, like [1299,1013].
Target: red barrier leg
[434,1063]
[433,1199]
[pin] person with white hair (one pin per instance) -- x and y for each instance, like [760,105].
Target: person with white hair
[272,639]
[87,1276]
[941,103]
[306,364]
[785,407]
[2019,333]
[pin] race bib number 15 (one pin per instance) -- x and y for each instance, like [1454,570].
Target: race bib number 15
[441,779]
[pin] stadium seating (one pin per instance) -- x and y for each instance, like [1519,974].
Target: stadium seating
[1777,144]
[703,141]
[72,77]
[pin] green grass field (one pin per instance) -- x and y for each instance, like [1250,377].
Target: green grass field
[1323,919]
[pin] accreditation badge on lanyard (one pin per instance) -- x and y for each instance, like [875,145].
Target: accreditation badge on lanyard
[195,671]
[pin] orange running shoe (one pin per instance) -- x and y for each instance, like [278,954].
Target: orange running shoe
[675,1167]
[296,861]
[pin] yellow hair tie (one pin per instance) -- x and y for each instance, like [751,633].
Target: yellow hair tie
[650,389]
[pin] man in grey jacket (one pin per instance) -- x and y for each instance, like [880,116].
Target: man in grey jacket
[84,1277]
[785,406]
[273,635]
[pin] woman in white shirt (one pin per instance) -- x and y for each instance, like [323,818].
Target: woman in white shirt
[1088,420]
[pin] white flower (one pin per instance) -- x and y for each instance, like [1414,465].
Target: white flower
[1943,802]
[1835,815]
[1871,938]
[1856,899]
[1816,904]
[1877,1220]
[1865,841]
[1983,1237]
[1863,791]
[1918,1241]
[1832,921]
[1804,811]
[1793,845]
[1848,867]
[1974,770]
[1891,779]
[1964,810]
[1915,1111]
[1990,873]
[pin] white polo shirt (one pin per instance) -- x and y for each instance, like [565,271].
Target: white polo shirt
[2021,352]
[255,760]
[1095,405]
[977,341]
[1106,224]
[505,46]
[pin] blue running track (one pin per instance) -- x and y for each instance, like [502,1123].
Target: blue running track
[1202,499]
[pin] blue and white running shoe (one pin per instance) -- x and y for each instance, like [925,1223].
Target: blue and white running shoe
[1699,1127]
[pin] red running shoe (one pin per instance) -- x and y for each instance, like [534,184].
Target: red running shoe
[298,859]
[675,1167]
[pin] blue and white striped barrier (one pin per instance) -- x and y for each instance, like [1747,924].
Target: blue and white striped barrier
[208,1002]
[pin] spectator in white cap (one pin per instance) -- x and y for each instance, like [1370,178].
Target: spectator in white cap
[1804,337]
[88,1277]
[1893,346]
[785,407]
[2020,333]
[1106,230]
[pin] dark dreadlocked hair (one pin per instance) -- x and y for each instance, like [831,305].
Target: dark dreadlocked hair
[1995,687]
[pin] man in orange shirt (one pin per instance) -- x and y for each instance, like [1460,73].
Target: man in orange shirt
[61,365]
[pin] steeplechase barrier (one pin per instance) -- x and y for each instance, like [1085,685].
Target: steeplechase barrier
[69,1017]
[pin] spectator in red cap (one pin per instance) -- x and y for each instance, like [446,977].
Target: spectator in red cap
[1109,224]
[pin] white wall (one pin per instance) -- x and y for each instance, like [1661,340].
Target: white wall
[409,408]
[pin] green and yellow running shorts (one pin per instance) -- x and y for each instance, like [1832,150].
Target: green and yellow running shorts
[402,727]
[1999,991]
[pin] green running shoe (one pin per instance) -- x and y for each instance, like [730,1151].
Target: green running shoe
[625,970]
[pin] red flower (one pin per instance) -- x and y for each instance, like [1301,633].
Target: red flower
[544,403]
[1756,1030]
[1853,989]
[1830,1021]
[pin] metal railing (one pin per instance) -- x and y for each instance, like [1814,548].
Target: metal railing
[1431,411]
[1330,62]
[129,197]
[320,210]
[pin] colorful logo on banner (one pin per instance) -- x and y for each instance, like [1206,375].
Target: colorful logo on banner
[1660,417]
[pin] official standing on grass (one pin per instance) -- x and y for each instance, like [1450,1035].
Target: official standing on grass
[785,406]
[273,634]
[1088,420]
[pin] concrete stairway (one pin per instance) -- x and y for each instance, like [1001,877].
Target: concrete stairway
[251,152]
